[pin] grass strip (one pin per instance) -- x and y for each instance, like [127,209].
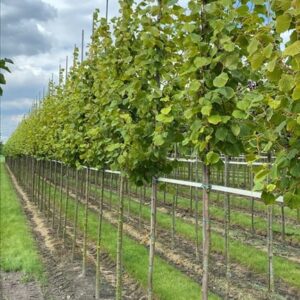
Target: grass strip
[238,218]
[17,247]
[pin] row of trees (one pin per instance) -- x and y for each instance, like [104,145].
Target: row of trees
[215,77]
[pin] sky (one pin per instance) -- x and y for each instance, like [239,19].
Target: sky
[38,35]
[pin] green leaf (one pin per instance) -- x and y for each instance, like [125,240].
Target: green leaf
[296,92]
[221,133]
[202,61]
[2,79]
[214,119]
[256,60]
[229,46]
[189,27]
[295,169]
[113,147]
[267,197]
[188,113]
[291,200]
[239,114]
[236,129]
[227,92]
[212,158]
[231,61]
[253,46]
[283,23]
[286,83]
[164,119]
[243,105]
[272,64]
[267,51]
[195,85]
[205,110]
[158,140]
[221,80]
[293,49]
[166,110]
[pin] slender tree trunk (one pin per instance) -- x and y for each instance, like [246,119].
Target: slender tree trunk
[61,199]
[66,203]
[129,199]
[32,178]
[39,184]
[190,170]
[252,204]
[119,284]
[85,222]
[226,230]
[140,208]
[270,252]
[43,184]
[97,285]
[54,194]
[197,212]
[165,194]
[110,191]
[282,223]
[75,214]
[173,222]
[206,231]
[49,190]
[270,245]
[152,238]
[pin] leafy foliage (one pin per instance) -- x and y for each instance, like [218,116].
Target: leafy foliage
[212,77]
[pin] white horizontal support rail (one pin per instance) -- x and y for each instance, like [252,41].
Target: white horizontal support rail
[231,162]
[217,188]
[213,187]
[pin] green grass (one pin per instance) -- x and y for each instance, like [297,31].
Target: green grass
[245,255]
[168,281]
[238,218]
[17,247]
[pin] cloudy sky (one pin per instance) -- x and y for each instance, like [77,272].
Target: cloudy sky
[38,35]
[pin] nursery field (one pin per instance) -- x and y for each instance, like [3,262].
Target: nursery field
[164,162]
[75,203]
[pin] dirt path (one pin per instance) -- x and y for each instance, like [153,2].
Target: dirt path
[15,287]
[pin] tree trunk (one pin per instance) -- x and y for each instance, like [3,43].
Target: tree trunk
[49,189]
[252,203]
[206,230]
[119,284]
[67,203]
[270,245]
[197,211]
[60,199]
[110,191]
[270,252]
[282,223]
[54,194]
[152,238]
[98,282]
[226,230]
[76,214]
[84,254]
